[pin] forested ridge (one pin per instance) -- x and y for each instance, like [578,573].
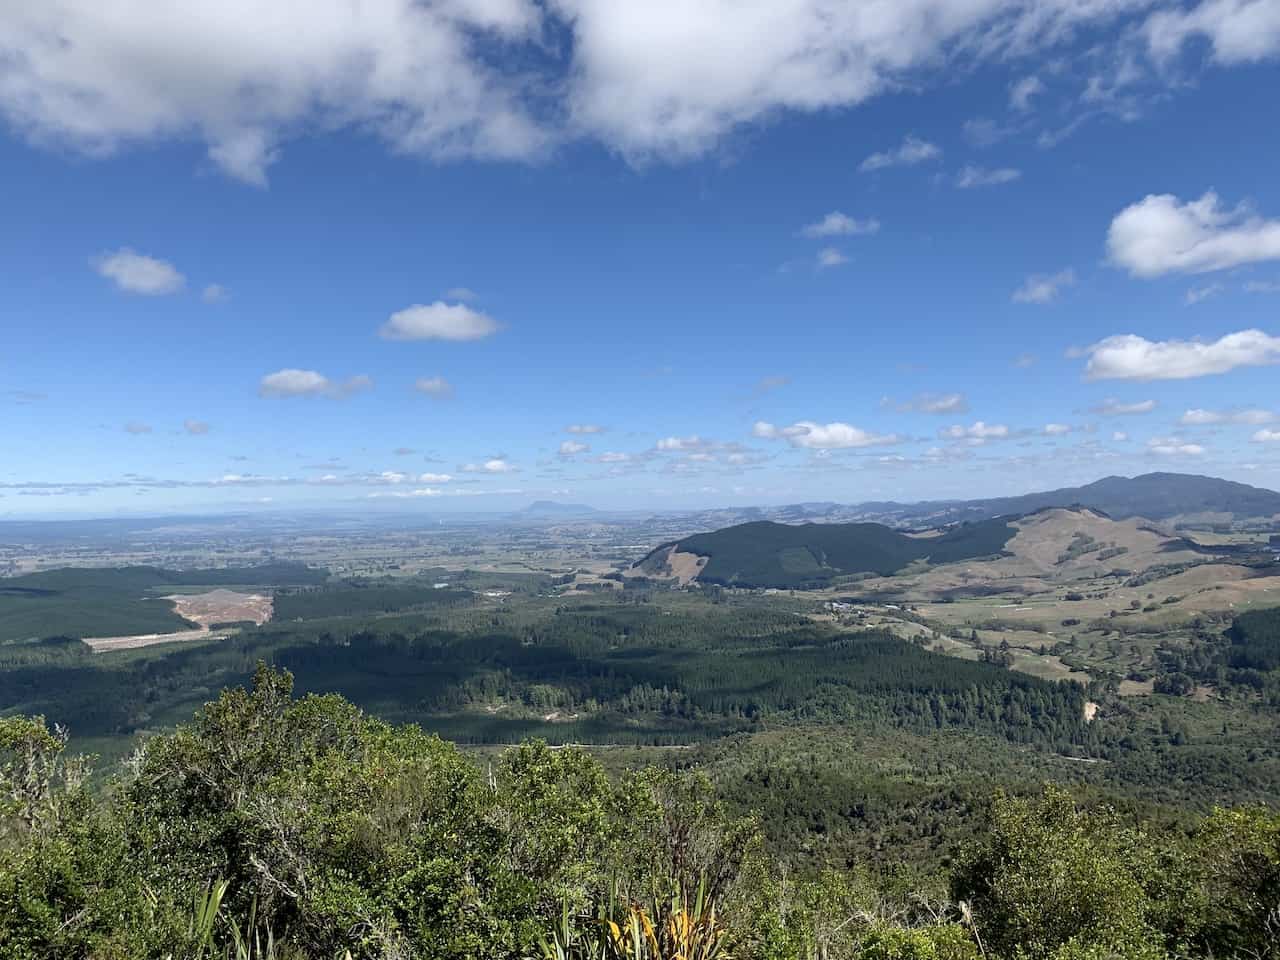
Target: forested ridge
[275,827]
[767,554]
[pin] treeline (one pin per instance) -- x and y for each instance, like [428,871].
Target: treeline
[278,828]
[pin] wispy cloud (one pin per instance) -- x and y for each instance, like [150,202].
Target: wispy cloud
[837,224]
[912,151]
[1044,287]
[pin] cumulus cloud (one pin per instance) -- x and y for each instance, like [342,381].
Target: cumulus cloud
[837,224]
[937,403]
[584,428]
[1044,287]
[571,448]
[613,456]
[822,436]
[1130,357]
[434,477]
[195,427]
[291,382]
[137,273]
[1267,436]
[240,76]
[438,321]
[1238,31]
[912,151]
[1111,407]
[1174,447]
[971,176]
[437,387]
[492,465]
[1056,429]
[1252,417]
[1161,234]
[458,78]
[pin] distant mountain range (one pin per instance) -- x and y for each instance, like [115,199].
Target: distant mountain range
[1155,496]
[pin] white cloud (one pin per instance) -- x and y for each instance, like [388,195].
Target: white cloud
[971,176]
[1252,417]
[1174,447]
[291,382]
[1267,436]
[613,456]
[1262,286]
[437,387]
[912,151]
[1044,287]
[136,428]
[1130,357]
[461,293]
[837,224]
[584,428]
[822,436]
[1025,361]
[1238,31]
[1197,294]
[570,448]
[979,431]
[1120,436]
[434,477]
[438,321]
[1111,407]
[1161,234]
[939,403]
[1056,429]
[1023,91]
[493,465]
[830,257]
[137,273]
[195,427]
[214,293]
[241,76]
[669,444]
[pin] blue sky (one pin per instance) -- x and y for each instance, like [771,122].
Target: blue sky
[387,256]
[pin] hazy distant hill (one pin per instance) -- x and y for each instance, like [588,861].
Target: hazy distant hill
[551,508]
[1156,496]
[767,554]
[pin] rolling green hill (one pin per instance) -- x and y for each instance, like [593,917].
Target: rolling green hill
[767,554]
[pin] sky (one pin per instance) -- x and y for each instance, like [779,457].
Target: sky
[640,254]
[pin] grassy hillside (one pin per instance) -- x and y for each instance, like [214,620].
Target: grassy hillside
[767,554]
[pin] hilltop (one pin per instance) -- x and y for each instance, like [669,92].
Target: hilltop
[767,554]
